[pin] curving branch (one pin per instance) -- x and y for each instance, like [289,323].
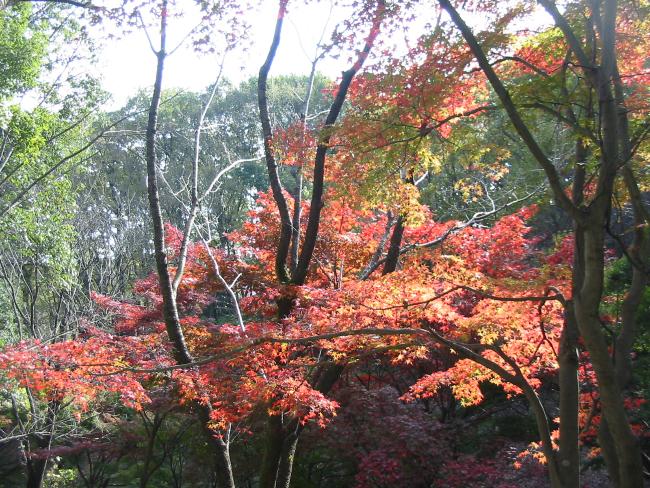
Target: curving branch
[258,342]
[513,113]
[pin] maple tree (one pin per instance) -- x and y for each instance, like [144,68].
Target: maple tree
[359,310]
[589,213]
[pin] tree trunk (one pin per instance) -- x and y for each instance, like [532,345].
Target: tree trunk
[36,469]
[569,455]
[170,309]
[568,359]
[222,463]
[587,302]
[151,444]
[273,443]
[287,455]
[545,435]
[392,257]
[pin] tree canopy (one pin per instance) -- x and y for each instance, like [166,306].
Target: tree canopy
[428,269]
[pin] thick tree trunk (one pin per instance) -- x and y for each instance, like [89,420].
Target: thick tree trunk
[36,472]
[587,303]
[568,359]
[274,439]
[628,453]
[392,257]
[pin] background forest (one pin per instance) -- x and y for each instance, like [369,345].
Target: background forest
[429,269]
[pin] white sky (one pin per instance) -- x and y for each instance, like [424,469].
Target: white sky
[128,64]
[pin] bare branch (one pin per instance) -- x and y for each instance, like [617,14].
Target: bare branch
[228,287]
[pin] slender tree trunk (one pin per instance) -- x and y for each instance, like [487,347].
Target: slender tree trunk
[295,219]
[222,462]
[37,467]
[287,455]
[36,472]
[569,455]
[284,242]
[170,310]
[151,444]
[629,308]
[297,172]
[545,434]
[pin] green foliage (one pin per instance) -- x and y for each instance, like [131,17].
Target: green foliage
[61,478]
[39,225]
[618,276]
[21,50]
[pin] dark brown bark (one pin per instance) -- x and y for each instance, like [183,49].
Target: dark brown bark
[394,247]
[588,298]
[36,469]
[271,165]
[273,441]
[35,472]
[170,312]
[313,222]
[637,253]
[568,360]
[569,454]
[311,234]
[318,185]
